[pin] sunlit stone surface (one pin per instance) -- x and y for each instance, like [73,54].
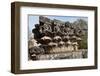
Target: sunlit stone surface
[55,39]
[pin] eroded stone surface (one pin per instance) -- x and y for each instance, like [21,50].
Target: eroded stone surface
[56,40]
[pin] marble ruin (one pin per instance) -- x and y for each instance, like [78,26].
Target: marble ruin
[56,40]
